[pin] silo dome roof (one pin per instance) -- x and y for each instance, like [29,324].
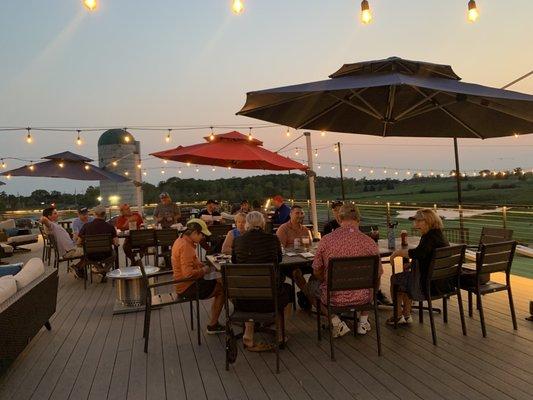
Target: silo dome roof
[116,136]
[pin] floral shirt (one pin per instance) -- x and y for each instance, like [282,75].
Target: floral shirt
[346,241]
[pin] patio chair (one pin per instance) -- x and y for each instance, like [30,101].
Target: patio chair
[57,258]
[153,300]
[218,234]
[494,257]
[143,243]
[351,273]
[164,240]
[47,247]
[98,252]
[252,282]
[446,264]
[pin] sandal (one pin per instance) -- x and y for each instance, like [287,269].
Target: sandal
[399,321]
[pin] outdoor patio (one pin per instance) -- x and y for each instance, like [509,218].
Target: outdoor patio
[91,353]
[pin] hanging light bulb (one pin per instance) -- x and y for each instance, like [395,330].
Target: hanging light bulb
[165,161]
[31,167]
[395,172]
[188,164]
[87,167]
[29,139]
[385,171]
[179,170]
[127,138]
[371,171]
[250,137]
[78,139]
[145,173]
[431,173]
[366,14]
[319,166]
[3,164]
[126,173]
[212,136]
[359,169]
[335,148]
[167,139]
[408,173]
[229,167]
[90,5]
[297,152]
[345,169]
[197,169]
[114,163]
[213,169]
[288,132]
[162,171]
[237,7]
[61,164]
[8,176]
[316,152]
[473,13]
[323,133]
[516,135]
[139,165]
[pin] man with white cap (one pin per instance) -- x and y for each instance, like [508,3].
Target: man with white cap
[189,268]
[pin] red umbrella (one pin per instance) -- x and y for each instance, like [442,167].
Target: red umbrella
[232,149]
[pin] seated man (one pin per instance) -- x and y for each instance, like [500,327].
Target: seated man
[334,223]
[82,219]
[245,207]
[210,211]
[287,234]
[98,227]
[66,247]
[346,241]
[282,211]
[166,213]
[123,223]
[185,265]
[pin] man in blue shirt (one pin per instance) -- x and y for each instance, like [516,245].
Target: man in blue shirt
[282,213]
[82,219]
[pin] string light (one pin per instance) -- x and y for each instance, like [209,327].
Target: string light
[114,163]
[229,167]
[237,7]
[127,138]
[345,169]
[288,132]
[371,171]
[162,171]
[385,171]
[29,139]
[78,139]
[188,164]
[3,164]
[516,135]
[61,164]
[332,167]
[139,165]
[250,137]
[212,136]
[213,169]
[366,14]
[473,13]
[197,169]
[319,166]
[126,173]
[87,167]
[335,147]
[396,173]
[31,167]
[179,170]
[359,169]
[408,173]
[167,139]
[145,173]
[323,133]
[8,176]
[316,152]
[297,152]
[90,5]
[165,161]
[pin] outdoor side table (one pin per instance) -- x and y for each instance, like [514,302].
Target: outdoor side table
[131,293]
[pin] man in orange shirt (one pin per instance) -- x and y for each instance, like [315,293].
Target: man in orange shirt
[123,224]
[186,265]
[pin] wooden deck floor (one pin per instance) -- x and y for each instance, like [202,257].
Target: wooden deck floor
[92,354]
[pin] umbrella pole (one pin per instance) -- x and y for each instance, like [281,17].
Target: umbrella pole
[311,175]
[340,168]
[459,191]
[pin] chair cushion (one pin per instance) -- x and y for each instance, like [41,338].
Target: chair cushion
[31,271]
[8,287]
[11,232]
[23,239]
[7,248]
[10,269]
[8,224]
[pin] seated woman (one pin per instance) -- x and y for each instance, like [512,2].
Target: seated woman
[345,241]
[240,222]
[430,225]
[256,246]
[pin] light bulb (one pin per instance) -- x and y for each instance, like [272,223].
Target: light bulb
[8,176]
[167,139]
[359,169]
[87,167]
[366,14]
[90,5]
[213,169]
[139,165]
[316,152]
[335,148]
[332,167]
[408,173]
[144,173]
[473,13]
[29,139]
[115,163]
[61,164]
[165,161]
[78,139]
[237,7]
[288,133]
[212,136]
[126,173]
[371,171]
[179,171]
[127,138]
[345,169]
[384,171]
[162,172]
[197,169]
[319,166]
[323,133]
[31,167]
[229,167]
[516,135]
[99,198]
[188,164]
[3,164]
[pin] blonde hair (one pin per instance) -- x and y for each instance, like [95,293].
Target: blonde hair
[254,219]
[349,212]
[241,216]
[431,217]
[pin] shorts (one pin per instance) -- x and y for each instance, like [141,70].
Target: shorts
[205,289]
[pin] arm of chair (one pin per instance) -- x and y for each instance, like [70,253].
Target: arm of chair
[172,282]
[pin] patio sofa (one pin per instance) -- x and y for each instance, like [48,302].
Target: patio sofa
[16,237]
[27,301]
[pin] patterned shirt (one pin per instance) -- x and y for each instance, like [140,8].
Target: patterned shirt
[346,241]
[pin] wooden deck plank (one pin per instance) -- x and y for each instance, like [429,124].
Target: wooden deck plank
[120,379]
[155,373]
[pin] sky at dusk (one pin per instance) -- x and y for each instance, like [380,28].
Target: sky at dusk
[189,63]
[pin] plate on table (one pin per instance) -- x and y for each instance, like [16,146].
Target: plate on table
[307,254]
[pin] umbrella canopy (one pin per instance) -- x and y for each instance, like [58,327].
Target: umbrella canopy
[232,149]
[395,97]
[66,165]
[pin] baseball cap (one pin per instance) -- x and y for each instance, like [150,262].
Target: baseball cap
[200,222]
[211,201]
[83,210]
[164,194]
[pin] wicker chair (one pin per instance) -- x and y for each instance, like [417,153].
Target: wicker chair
[351,273]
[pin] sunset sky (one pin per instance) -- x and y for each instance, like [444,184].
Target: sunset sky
[185,63]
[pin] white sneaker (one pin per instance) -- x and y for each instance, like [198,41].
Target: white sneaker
[340,330]
[366,325]
[408,319]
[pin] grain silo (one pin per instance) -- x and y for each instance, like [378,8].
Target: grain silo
[119,152]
